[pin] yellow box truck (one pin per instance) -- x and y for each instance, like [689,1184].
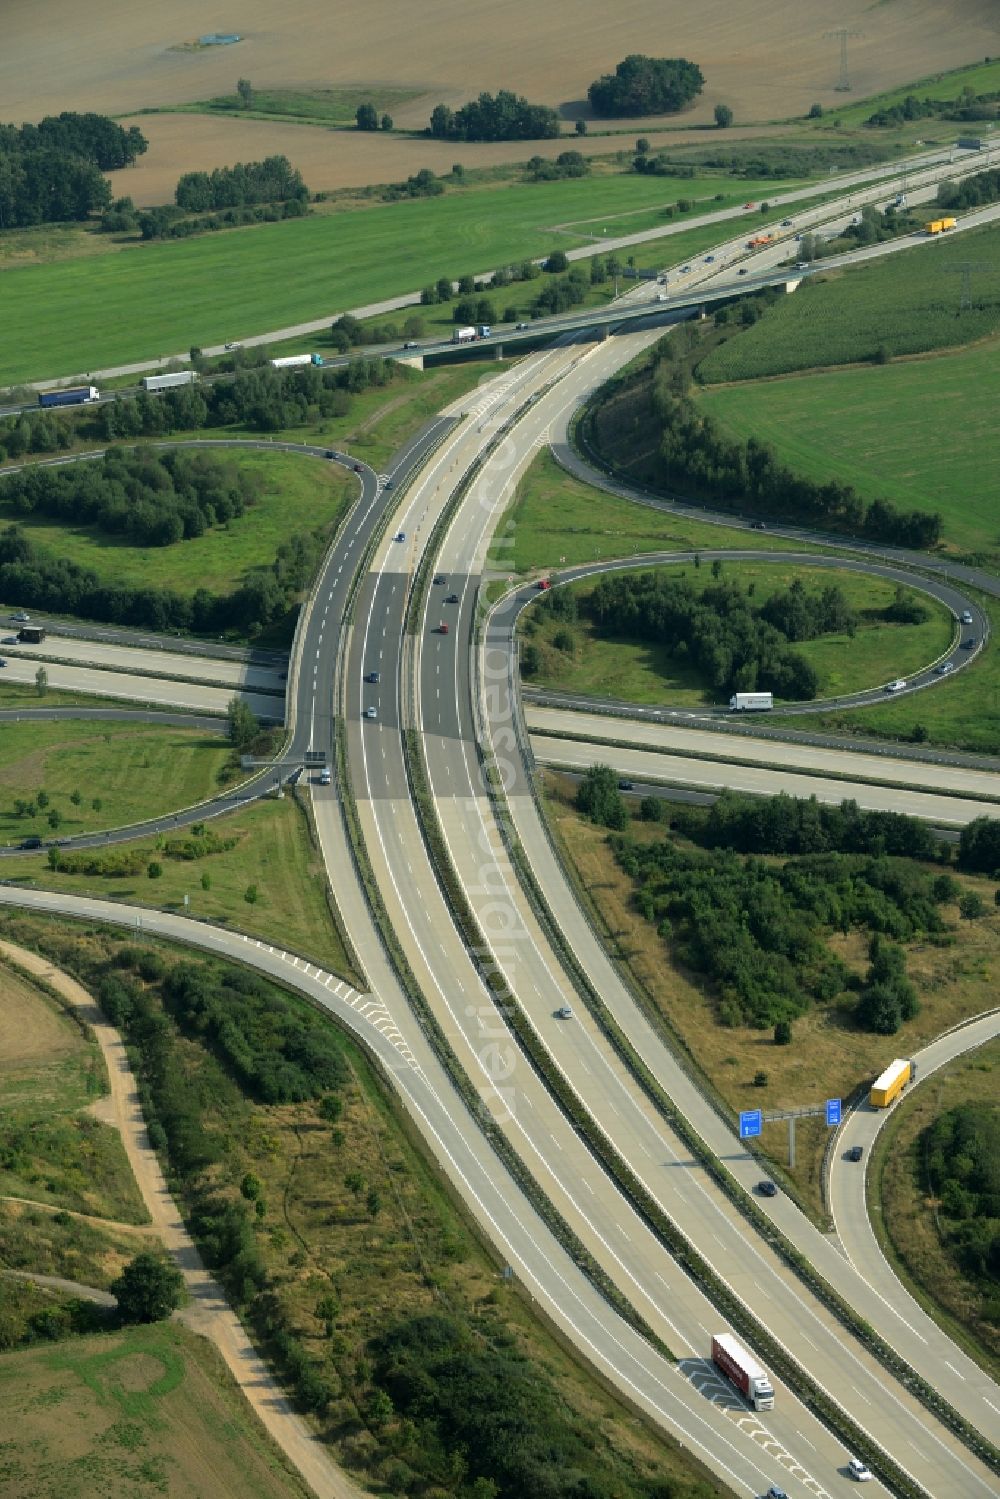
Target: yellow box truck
[939,226]
[890,1083]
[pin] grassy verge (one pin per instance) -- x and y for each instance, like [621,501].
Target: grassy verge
[890,431]
[269,852]
[53,1150]
[896,303]
[904,1214]
[355,1233]
[600,664]
[141,1413]
[321,106]
[556,520]
[167,295]
[952,980]
[140,772]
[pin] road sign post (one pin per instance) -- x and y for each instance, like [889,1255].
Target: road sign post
[832,1112]
[751,1123]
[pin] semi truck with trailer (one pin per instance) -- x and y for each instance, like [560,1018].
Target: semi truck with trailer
[751,702]
[890,1083]
[939,226]
[74,395]
[759,241]
[168,382]
[290,361]
[470,334]
[742,1370]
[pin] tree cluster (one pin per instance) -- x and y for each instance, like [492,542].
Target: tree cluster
[51,172]
[273,180]
[979,846]
[793,825]
[972,192]
[599,798]
[150,498]
[495,117]
[695,455]
[423,184]
[566,164]
[450,1401]
[736,646]
[168,222]
[754,928]
[887,997]
[962,1152]
[967,106]
[646,86]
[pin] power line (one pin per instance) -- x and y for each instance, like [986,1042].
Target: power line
[965,268]
[843,86]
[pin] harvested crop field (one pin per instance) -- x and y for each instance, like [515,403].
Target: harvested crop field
[766,59]
[331,159]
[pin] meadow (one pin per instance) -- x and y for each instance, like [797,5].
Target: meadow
[133,1415]
[605,665]
[299,494]
[921,433]
[906,303]
[140,772]
[155,300]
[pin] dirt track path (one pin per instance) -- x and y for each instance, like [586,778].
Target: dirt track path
[208,1313]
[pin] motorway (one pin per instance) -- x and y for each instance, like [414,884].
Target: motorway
[462,703]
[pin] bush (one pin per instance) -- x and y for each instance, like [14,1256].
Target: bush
[148,1289]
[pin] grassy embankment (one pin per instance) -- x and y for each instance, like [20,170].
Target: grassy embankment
[271,853]
[981,78]
[321,106]
[54,1152]
[602,664]
[356,1232]
[829,1057]
[131,770]
[904,1211]
[134,1415]
[168,295]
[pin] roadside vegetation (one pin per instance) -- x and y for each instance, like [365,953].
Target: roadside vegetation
[141,1412]
[933,1172]
[70,777]
[337,1242]
[945,956]
[257,870]
[697,634]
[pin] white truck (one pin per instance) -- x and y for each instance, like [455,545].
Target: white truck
[751,702]
[742,1370]
[469,335]
[168,382]
[289,361]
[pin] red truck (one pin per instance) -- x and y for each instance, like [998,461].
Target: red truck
[743,1371]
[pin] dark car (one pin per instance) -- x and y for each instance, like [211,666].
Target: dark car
[452,598]
[33,842]
[330,453]
[520,327]
[742,271]
[374,676]
[767,1189]
[855,1153]
[357,468]
[967,645]
[625,786]
[411,343]
[440,578]
[757,525]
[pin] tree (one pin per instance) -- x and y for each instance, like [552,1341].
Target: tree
[385,123]
[373,1203]
[243,725]
[206,880]
[55,818]
[366,117]
[251,1187]
[783,1033]
[723,116]
[154,869]
[443,288]
[41,681]
[251,895]
[599,799]
[148,1289]
[556,261]
[970,905]
[646,86]
[815,112]
[245,91]
[581,127]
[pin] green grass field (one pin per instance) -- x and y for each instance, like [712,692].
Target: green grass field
[906,303]
[138,1414]
[139,772]
[981,78]
[922,434]
[300,494]
[556,520]
[158,299]
[274,853]
[602,665]
[962,713]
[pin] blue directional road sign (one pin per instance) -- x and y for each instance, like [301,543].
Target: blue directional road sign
[833,1111]
[750,1123]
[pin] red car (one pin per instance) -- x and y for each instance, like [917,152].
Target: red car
[544,583]
[442,628]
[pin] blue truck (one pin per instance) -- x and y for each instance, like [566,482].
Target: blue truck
[74,395]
